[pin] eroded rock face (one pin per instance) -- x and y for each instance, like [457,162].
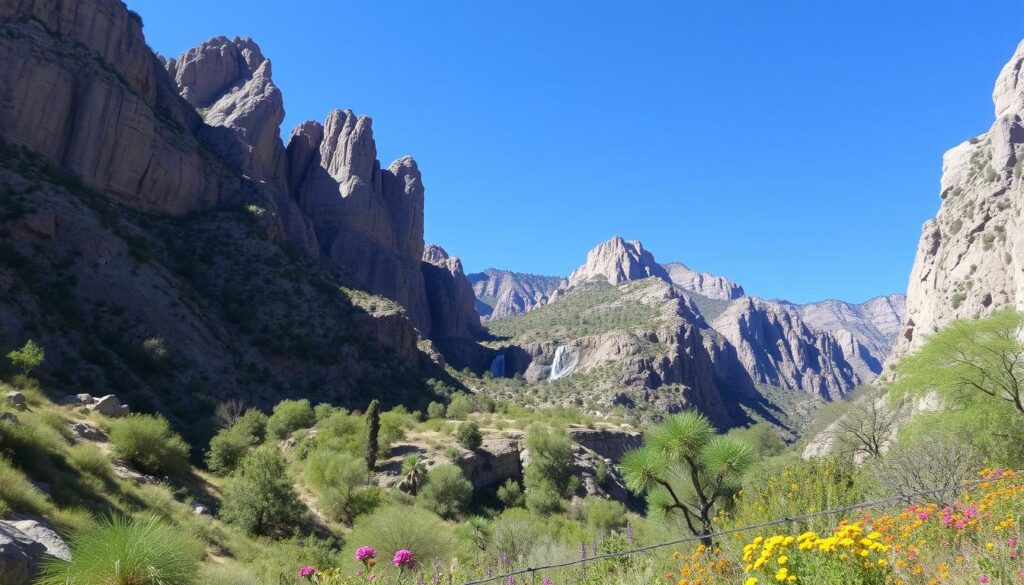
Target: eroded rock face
[618,261]
[450,296]
[368,220]
[501,293]
[969,258]
[80,87]
[229,82]
[703,283]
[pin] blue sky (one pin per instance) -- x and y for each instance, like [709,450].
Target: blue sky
[793,146]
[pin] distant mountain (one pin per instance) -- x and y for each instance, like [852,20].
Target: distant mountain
[501,293]
[706,284]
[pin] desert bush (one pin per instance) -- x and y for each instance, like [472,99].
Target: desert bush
[510,494]
[603,515]
[392,528]
[18,494]
[514,534]
[459,407]
[229,445]
[549,473]
[147,443]
[436,410]
[342,484]
[260,499]
[290,416]
[447,492]
[123,551]
[939,459]
[468,435]
[31,445]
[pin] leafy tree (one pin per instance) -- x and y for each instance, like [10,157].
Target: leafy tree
[260,499]
[229,445]
[686,446]
[870,424]
[969,361]
[548,475]
[510,493]
[372,434]
[468,435]
[459,407]
[290,416]
[447,492]
[28,358]
[436,410]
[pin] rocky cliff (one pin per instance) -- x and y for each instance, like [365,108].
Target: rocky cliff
[450,296]
[501,293]
[705,284]
[617,261]
[969,258]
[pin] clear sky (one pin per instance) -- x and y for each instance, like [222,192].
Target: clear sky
[794,146]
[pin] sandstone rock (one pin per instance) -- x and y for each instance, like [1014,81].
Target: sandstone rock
[497,460]
[16,400]
[969,257]
[110,406]
[618,261]
[450,296]
[502,294]
[611,444]
[703,283]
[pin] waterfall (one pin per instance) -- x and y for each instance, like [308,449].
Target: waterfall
[498,366]
[563,364]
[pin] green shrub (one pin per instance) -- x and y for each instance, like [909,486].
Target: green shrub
[231,444]
[342,484]
[372,434]
[260,499]
[514,534]
[543,499]
[603,515]
[323,411]
[89,458]
[122,551]
[468,435]
[436,410]
[511,494]
[290,416]
[393,425]
[342,432]
[31,445]
[147,443]
[447,492]
[549,474]
[459,407]
[391,528]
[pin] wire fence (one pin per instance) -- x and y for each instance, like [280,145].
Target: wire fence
[907,497]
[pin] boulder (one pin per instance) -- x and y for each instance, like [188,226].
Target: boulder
[23,544]
[611,444]
[87,432]
[10,418]
[40,532]
[110,406]
[78,400]
[497,460]
[16,400]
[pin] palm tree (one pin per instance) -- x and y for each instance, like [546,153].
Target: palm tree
[414,468]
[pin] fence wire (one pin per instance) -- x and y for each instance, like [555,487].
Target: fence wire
[784,520]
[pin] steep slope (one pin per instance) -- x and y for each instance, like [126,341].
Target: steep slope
[617,261]
[969,258]
[501,293]
[451,297]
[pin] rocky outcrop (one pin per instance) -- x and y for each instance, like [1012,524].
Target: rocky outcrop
[449,294]
[777,348]
[496,461]
[969,258]
[229,82]
[368,220]
[618,261]
[24,544]
[611,444]
[80,87]
[501,293]
[703,283]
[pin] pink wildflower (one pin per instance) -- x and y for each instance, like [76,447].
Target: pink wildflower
[307,572]
[365,553]
[922,516]
[1012,541]
[403,558]
[983,579]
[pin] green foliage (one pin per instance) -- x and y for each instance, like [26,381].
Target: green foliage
[147,443]
[447,492]
[260,499]
[761,437]
[510,494]
[392,528]
[393,425]
[993,428]
[603,515]
[342,484]
[90,459]
[459,407]
[28,358]
[686,446]
[515,534]
[414,472]
[969,361]
[372,434]
[288,417]
[468,435]
[123,551]
[549,473]
[18,494]
[436,410]
[229,445]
